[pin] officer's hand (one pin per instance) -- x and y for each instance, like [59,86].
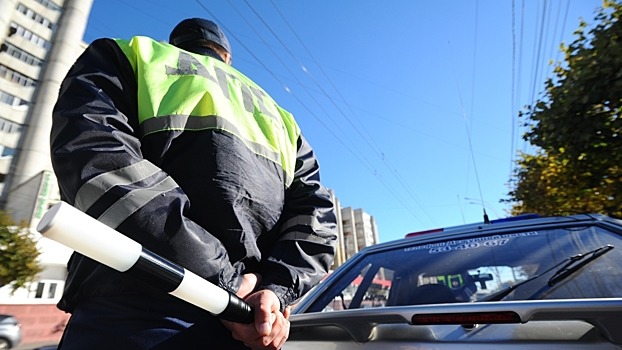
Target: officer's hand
[270,329]
[249,283]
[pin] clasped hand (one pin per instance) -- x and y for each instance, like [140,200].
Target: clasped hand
[271,327]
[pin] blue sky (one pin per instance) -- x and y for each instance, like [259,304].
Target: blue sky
[411,105]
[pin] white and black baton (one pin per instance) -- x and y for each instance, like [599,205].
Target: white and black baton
[77,230]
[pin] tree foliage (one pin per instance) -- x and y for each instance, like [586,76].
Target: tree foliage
[18,254]
[576,128]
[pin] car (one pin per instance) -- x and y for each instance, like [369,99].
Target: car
[10,332]
[522,282]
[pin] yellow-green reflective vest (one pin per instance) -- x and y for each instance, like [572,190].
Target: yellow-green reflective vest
[182,91]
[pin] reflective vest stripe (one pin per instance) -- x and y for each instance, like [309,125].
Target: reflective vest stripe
[292,234]
[96,187]
[194,123]
[134,200]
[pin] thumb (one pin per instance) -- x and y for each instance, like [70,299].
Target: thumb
[266,306]
[263,323]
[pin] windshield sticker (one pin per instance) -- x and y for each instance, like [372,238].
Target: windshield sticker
[472,243]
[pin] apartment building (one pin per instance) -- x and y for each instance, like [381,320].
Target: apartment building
[39,40]
[358,231]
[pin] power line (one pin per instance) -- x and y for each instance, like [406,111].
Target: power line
[537,52]
[368,140]
[473,76]
[470,143]
[369,168]
[337,91]
[520,68]
[561,36]
[474,56]
[513,89]
[284,64]
[545,35]
[278,80]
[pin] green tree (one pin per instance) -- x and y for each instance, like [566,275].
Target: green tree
[576,128]
[18,254]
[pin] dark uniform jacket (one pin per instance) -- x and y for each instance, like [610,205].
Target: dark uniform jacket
[190,158]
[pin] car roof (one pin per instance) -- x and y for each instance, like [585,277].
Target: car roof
[506,225]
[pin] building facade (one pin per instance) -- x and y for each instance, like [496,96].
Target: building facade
[358,231]
[39,41]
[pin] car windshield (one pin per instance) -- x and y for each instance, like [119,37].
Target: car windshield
[473,268]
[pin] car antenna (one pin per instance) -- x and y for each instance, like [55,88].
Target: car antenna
[468,131]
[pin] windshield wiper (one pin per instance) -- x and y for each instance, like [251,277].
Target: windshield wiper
[572,264]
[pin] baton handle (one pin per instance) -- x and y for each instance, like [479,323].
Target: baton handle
[79,231]
[237,310]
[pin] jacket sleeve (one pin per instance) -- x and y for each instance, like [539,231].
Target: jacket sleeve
[307,233]
[98,161]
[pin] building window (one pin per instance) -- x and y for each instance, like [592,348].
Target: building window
[20,54]
[7,152]
[49,4]
[39,291]
[15,76]
[47,289]
[30,36]
[52,290]
[9,127]
[11,100]
[35,16]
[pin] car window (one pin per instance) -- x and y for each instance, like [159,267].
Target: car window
[469,269]
[367,289]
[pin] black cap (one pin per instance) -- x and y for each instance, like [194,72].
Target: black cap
[192,29]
